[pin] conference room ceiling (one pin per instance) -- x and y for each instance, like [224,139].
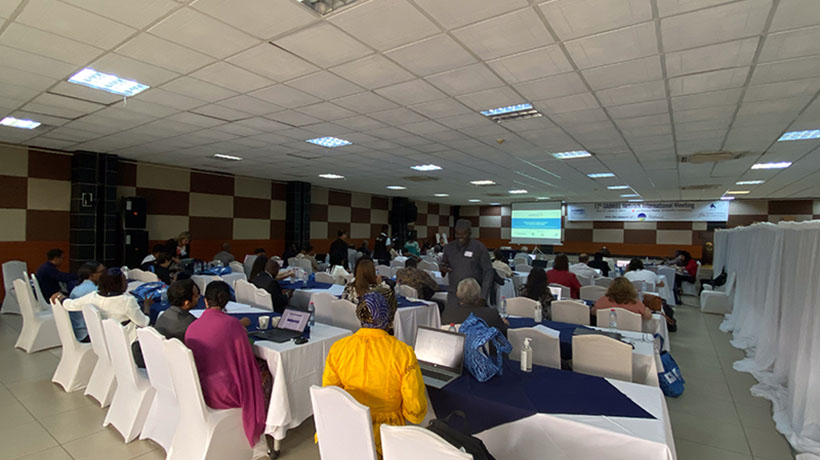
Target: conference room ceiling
[639,83]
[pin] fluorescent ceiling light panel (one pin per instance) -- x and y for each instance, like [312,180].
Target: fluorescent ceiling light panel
[331,176]
[571,155]
[329,142]
[600,175]
[518,192]
[800,135]
[107,82]
[635,201]
[749,182]
[426,167]
[629,195]
[441,195]
[495,204]
[474,201]
[396,187]
[543,198]
[727,198]
[777,165]
[482,182]
[18,123]
[618,187]
[511,112]
[223,156]
[737,192]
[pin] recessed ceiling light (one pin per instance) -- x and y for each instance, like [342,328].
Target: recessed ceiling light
[518,192]
[426,167]
[474,201]
[18,123]
[223,156]
[543,198]
[511,112]
[396,187]
[629,195]
[749,182]
[727,198]
[737,192]
[618,187]
[107,82]
[800,135]
[635,201]
[495,204]
[776,165]
[331,176]
[600,175]
[329,142]
[482,182]
[571,155]
[441,195]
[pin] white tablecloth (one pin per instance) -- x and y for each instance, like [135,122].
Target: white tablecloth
[666,290]
[408,319]
[294,369]
[657,325]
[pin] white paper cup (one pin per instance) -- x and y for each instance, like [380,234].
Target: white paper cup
[263,322]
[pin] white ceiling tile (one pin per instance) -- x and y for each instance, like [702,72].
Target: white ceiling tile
[162,53]
[372,72]
[631,94]
[198,89]
[83,92]
[491,98]
[14,76]
[264,124]
[398,116]
[262,18]
[326,111]
[273,62]
[529,124]
[575,102]
[44,119]
[639,109]
[285,96]
[698,129]
[723,112]
[365,103]
[432,55]
[221,112]
[580,116]
[47,44]
[384,24]
[251,105]
[721,23]
[125,67]
[792,14]
[34,63]
[465,80]
[732,54]
[440,108]
[463,121]
[202,33]
[710,99]
[530,65]
[195,119]
[411,92]
[796,88]
[708,81]
[147,108]
[293,118]
[511,33]
[336,46]
[670,7]
[624,73]
[618,45]
[8,7]
[456,13]
[791,44]
[359,123]
[551,87]
[169,98]
[72,22]
[578,18]
[61,106]
[786,70]
[324,85]
[124,12]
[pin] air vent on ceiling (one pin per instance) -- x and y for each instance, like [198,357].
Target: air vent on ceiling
[304,157]
[710,157]
[420,178]
[700,187]
[498,194]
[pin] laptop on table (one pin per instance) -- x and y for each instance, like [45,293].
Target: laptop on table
[291,325]
[440,355]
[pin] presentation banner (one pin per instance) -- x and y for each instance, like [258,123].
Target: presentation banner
[701,211]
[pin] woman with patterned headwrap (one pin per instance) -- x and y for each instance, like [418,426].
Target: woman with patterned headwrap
[377,369]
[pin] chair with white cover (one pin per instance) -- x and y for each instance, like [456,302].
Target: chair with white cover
[12,270]
[566,292]
[546,349]
[407,291]
[244,291]
[570,311]
[77,359]
[323,303]
[413,442]
[134,393]
[103,382]
[39,330]
[385,271]
[627,320]
[202,433]
[237,267]
[42,302]
[523,268]
[304,264]
[584,280]
[521,306]
[398,262]
[688,288]
[322,277]
[592,293]
[719,300]
[602,356]
[161,422]
[344,315]
[247,264]
[142,275]
[603,282]
[425,265]
[343,425]
[262,299]
[640,286]
[202,281]
[232,277]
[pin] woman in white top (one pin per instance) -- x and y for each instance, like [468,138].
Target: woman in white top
[112,301]
[636,272]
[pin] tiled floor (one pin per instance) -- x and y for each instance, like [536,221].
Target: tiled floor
[715,419]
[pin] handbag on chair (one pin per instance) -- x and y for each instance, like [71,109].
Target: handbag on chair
[483,348]
[470,444]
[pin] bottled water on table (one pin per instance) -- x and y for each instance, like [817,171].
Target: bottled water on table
[503,307]
[312,310]
[613,319]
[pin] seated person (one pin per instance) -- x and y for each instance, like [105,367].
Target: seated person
[260,252]
[637,272]
[536,289]
[412,246]
[622,294]
[364,249]
[560,274]
[161,267]
[258,267]
[310,254]
[228,371]
[49,277]
[112,301]
[267,281]
[599,263]
[153,256]
[500,265]
[420,280]
[687,270]
[582,268]
[366,281]
[291,251]
[378,370]
[179,248]
[89,275]
[225,255]
[183,295]
[470,301]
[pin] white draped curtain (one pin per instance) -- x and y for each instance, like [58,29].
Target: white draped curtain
[776,319]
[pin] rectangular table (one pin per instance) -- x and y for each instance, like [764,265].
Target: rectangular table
[408,319]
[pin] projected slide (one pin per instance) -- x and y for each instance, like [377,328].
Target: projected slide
[536,223]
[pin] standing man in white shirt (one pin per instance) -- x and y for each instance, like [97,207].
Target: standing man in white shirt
[582,269]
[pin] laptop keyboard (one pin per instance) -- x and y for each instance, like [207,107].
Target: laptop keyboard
[436,375]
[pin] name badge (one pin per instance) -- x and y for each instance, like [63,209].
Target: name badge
[468,253]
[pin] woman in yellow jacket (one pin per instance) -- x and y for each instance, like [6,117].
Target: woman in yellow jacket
[378,370]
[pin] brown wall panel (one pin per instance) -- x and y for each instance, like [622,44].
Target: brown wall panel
[47,225]
[279,191]
[14,192]
[360,215]
[211,183]
[49,165]
[168,202]
[251,208]
[578,234]
[741,220]
[489,232]
[333,229]
[432,208]
[640,236]
[490,211]
[379,202]
[607,224]
[277,229]
[127,174]
[211,228]
[791,207]
[337,198]
[318,212]
[674,225]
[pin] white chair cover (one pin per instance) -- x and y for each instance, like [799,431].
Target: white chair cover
[232,277]
[202,281]
[566,292]
[521,306]
[546,349]
[523,268]
[42,302]
[592,293]
[244,291]
[343,426]
[425,265]
[163,416]
[304,264]
[407,291]
[385,271]
[322,277]
[12,270]
[102,383]
[39,330]
[248,264]
[77,359]
[521,261]
[413,443]
[323,303]
[718,301]
[602,356]
[584,280]
[570,311]
[142,275]
[202,433]
[344,315]
[398,262]
[262,299]
[134,394]
[688,288]
[627,320]
[639,285]
[237,267]
[603,282]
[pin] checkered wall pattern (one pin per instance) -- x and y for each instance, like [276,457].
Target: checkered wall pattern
[361,215]
[432,219]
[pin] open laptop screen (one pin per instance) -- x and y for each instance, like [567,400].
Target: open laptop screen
[439,348]
[294,320]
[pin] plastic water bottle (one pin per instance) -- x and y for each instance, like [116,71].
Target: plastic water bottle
[164,295]
[452,327]
[526,356]
[613,319]
[503,307]
[312,310]
[539,315]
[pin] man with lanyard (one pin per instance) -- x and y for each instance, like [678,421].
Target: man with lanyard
[466,258]
[380,250]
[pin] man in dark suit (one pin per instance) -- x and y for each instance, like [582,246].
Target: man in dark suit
[267,280]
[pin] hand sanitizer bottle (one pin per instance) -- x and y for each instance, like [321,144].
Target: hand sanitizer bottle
[526,356]
[539,315]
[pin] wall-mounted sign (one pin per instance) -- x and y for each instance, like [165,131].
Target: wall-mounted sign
[700,211]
